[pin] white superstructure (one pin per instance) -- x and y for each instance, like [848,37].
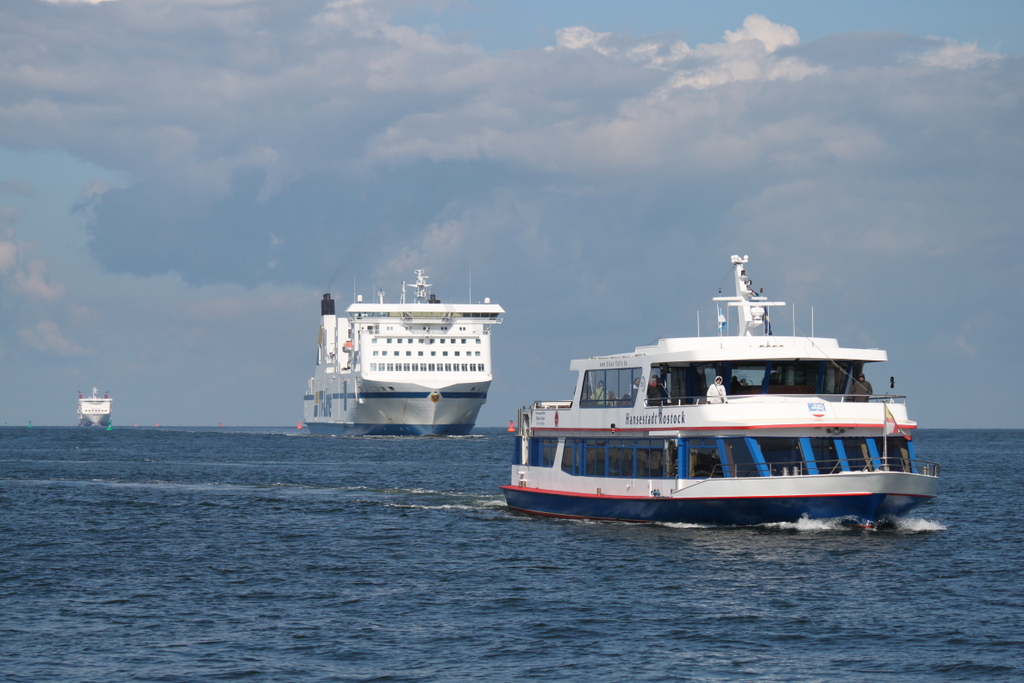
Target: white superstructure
[419,367]
[95,409]
[744,428]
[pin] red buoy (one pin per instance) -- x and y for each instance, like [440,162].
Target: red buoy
[299,426]
[511,425]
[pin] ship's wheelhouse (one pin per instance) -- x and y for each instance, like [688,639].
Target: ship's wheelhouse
[684,383]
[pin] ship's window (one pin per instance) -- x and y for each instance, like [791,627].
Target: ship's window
[480,368]
[373,366]
[826,457]
[596,457]
[800,377]
[779,452]
[478,341]
[704,458]
[430,367]
[399,340]
[834,379]
[447,367]
[375,352]
[478,353]
[407,367]
[620,458]
[858,455]
[391,367]
[608,388]
[747,378]
[456,353]
[463,341]
[570,463]
[464,367]
[408,353]
[898,457]
[444,353]
[739,459]
[419,353]
[389,341]
[374,340]
[442,341]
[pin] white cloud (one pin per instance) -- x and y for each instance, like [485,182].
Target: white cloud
[46,336]
[34,282]
[954,55]
[8,255]
[580,37]
[771,35]
[77,2]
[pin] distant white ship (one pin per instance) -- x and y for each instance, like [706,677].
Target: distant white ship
[94,410]
[407,368]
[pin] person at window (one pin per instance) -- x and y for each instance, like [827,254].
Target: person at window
[861,389]
[716,392]
[599,394]
[654,391]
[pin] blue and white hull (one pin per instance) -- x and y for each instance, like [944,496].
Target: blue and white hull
[854,501]
[394,409]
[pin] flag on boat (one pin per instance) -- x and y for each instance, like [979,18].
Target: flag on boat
[891,427]
[722,322]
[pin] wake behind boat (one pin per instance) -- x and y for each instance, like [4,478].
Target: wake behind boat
[422,367]
[744,429]
[95,409]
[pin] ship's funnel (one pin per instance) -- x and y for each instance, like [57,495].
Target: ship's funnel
[327,305]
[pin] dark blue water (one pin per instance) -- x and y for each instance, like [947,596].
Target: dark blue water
[268,555]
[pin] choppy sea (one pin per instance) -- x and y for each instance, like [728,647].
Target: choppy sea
[216,554]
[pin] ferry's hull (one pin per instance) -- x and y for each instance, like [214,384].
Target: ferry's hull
[408,410]
[367,429]
[94,420]
[861,498]
[859,508]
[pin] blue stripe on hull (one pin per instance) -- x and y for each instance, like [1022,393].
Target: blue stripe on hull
[328,429]
[865,508]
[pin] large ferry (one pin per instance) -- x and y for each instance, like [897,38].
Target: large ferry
[95,409]
[742,428]
[419,367]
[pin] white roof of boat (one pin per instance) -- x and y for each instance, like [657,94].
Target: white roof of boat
[711,349]
[416,308]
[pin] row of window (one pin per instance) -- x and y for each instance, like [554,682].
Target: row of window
[684,384]
[427,367]
[421,314]
[420,340]
[724,457]
[420,353]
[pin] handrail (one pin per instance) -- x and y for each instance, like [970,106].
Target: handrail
[796,468]
[766,398]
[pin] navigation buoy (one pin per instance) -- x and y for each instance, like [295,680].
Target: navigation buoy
[220,424]
[299,426]
[511,425]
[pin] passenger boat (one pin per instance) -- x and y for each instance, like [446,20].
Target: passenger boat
[407,368]
[789,431]
[95,409]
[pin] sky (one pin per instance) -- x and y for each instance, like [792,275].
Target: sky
[182,180]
